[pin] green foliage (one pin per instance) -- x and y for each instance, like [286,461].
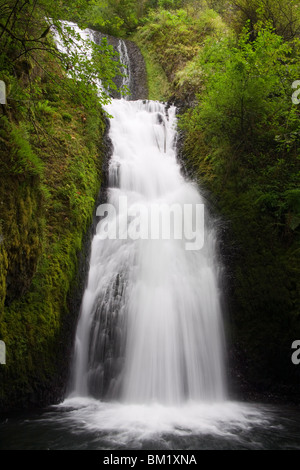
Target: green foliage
[117,17]
[248,97]
[242,142]
[44,216]
[174,38]
[292,204]
[170,4]
[190,79]
[26,41]
[66,117]
[158,84]
[23,157]
[88,63]
[50,171]
[281,15]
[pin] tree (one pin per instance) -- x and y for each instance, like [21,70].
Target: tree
[115,17]
[25,38]
[247,97]
[283,16]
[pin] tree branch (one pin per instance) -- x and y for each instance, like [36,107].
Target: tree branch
[9,17]
[5,28]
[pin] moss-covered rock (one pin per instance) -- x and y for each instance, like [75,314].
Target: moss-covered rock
[261,257]
[51,173]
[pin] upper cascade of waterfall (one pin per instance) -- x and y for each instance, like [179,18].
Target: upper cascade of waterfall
[132,80]
[124,58]
[81,46]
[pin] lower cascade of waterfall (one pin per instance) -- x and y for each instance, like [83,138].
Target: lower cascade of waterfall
[150,328]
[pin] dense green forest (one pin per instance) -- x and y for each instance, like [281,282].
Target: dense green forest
[230,67]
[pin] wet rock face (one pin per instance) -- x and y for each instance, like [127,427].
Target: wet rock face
[139,88]
[138,75]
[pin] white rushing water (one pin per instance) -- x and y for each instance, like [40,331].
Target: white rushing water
[122,50]
[150,328]
[78,45]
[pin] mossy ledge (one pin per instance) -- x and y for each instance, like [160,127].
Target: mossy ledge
[52,162]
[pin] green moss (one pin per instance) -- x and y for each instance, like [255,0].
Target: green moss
[170,42]
[262,255]
[67,117]
[50,178]
[158,84]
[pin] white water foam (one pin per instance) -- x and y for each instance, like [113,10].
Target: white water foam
[134,425]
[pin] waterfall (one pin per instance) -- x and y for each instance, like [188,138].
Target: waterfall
[150,326]
[122,50]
